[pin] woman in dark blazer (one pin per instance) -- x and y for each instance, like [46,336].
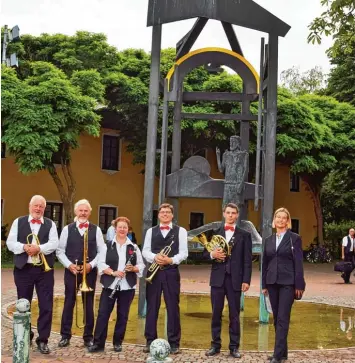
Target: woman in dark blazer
[118,279]
[282,277]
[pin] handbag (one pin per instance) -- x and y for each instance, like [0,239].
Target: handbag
[343,266]
[294,263]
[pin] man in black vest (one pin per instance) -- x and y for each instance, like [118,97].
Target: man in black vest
[26,274]
[348,253]
[229,277]
[167,279]
[70,254]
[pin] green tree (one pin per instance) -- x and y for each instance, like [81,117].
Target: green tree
[312,81]
[43,117]
[338,20]
[312,139]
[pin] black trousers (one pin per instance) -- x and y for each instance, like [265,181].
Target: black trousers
[69,303]
[349,257]
[281,299]
[166,282]
[218,295]
[124,300]
[28,278]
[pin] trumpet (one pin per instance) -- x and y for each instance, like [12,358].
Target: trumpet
[154,267]
[39,259]
[83,287]
[117,286]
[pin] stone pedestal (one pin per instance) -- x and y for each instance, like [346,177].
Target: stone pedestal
[22,326]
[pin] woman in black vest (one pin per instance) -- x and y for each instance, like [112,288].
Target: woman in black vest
[282,277]
[119,265]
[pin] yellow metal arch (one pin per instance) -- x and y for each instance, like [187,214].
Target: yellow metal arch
[213,49]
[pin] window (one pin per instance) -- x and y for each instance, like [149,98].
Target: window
[111,152]
[295,226]
[54,211]
[294,183]
[196,220]
[3,150]
[107,215]
[155,217]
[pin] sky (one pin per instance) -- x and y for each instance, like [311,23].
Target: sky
[124,23]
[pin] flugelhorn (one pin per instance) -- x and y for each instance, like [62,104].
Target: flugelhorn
[39,259]
[154,267]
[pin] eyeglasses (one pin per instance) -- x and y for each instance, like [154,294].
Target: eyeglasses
[165,212]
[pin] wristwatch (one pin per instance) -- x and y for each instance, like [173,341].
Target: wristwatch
[111,273]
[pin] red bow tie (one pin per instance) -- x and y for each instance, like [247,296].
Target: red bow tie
[229,228]
[164,227]
[34,221]
[83,225]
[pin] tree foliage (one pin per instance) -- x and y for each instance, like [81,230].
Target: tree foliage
[338,20]
[312,81]
[44,115]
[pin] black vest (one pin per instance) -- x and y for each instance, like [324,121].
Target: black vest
[23,231]
[347,248]
[75,243]
[112,260]
[159,242]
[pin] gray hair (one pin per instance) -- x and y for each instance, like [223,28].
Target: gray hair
[80,202]
[38,197]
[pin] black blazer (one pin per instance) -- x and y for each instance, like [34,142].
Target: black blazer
[240,260]
[281,266]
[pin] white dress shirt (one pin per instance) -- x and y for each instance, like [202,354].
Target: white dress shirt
[178,258]
[110,234]
[345,242]
[17,247]
[62,257]
[121,251]
[229,235]
[279,238]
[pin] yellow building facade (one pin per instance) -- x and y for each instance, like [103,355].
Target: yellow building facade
[105,176]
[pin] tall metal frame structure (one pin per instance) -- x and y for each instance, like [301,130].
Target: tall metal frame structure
[245,13]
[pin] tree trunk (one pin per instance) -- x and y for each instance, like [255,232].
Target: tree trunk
[66,186]
[314,190]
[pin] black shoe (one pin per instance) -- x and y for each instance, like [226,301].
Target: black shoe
[95,348]
[117,347]
[43,347]
[175,350]
[270,357]
[212,351]
[146,349]
[64,342]
[88,343]
[274,360]
[235,353]
[348,282]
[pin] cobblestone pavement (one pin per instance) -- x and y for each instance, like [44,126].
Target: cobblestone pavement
[323,285]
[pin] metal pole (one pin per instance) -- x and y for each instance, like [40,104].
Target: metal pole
[22,327]
[270,136]
[260,115]
[151,148]
[4,45]
[176,143]
[164,144]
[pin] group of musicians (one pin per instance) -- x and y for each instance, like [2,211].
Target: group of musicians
[119,262]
